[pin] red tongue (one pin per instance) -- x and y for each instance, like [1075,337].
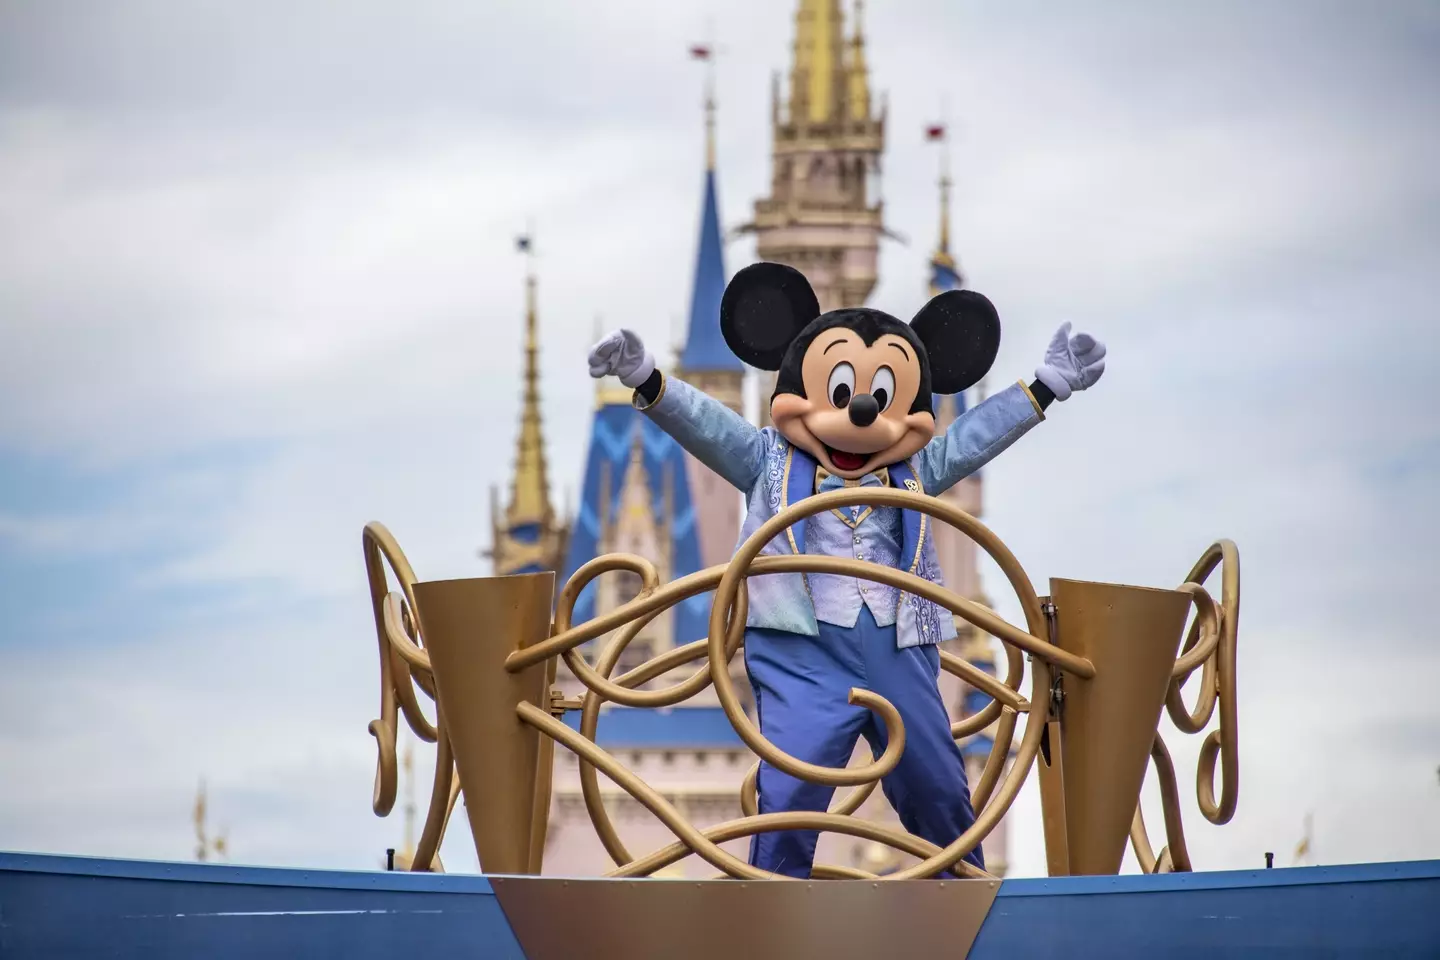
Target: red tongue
[846,461]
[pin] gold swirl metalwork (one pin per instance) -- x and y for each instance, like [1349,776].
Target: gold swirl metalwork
[1210,646]
[404,666]
[992,796]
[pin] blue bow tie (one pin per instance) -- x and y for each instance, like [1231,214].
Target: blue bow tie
[832,482]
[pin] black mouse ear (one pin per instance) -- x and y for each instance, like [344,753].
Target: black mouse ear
[961,333]
[765,307]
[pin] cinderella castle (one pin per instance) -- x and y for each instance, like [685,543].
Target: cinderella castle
[643,494]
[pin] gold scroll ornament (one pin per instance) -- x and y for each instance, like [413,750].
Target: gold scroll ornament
[495,652]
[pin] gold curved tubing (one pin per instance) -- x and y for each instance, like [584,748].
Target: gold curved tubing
[750,801]
[749,792]
[589,720]
[377,543]
[1206,625]
[566,637]
[692,840]
[983,682]
[834,871]
[1140,842]
[828,871]
[949,858]
[1175,855]
[443,793]
[382,799]
[379,548]
[404,662]
[664,663]
[1212,640]
[1224,742]
[792,820]
[851,801]
[744,563]
[1200,645]
[1014,673]
[400,642]
[995,763]
[590,715]
[646,795]
[617,692]
[580,579]
[655,600]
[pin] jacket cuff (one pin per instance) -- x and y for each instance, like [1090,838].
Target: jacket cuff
[1039,410]
[638,400]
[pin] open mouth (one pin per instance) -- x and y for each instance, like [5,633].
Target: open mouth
[846,461]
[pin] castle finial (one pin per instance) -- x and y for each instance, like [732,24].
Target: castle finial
[944,274]
[530,488]
[705,52]
[817,77]
[857,82]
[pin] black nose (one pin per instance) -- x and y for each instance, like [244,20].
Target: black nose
[863,410]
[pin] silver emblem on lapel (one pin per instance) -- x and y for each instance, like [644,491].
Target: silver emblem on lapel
[912,485]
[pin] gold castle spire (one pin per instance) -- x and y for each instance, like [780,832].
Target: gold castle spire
[818,76]
[527,537]
[857,79]
[530,487]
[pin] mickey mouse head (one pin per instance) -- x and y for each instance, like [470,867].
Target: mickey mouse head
[854,386]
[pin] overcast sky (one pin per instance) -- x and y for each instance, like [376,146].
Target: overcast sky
[258,287]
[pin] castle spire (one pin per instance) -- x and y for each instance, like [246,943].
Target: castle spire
[944,245]
[705,348]
[818,76]
[857,80]
[944,272]
[529,538]
[530,487]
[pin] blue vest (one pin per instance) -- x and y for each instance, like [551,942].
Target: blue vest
[782,601]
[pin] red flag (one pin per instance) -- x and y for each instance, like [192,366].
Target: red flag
[699,53]
[935,132]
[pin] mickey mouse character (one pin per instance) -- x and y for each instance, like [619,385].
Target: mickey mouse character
[852,406]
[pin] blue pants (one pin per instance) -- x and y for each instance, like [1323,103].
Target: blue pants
[802,685]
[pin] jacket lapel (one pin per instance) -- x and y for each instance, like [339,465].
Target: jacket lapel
[799,483]
[912,522]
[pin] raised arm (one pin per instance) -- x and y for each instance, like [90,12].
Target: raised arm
[978,436]
[713,433]
[984,432]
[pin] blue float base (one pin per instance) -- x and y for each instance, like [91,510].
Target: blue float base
[54,907]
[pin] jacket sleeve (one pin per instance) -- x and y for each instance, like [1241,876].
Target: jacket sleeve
[977,436]
[713,433]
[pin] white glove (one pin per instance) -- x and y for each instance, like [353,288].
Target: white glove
[621,354]
[1071,363]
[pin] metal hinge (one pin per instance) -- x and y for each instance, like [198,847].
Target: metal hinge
[1057,680]
[559,704]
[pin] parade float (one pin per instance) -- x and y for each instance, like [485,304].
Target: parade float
[1090,673]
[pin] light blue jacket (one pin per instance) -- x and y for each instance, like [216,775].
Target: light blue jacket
[774,474]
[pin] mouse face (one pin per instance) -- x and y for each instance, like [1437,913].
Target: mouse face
[856,408]
[855,386]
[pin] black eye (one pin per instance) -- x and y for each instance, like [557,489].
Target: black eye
[882,388]
[842,384]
